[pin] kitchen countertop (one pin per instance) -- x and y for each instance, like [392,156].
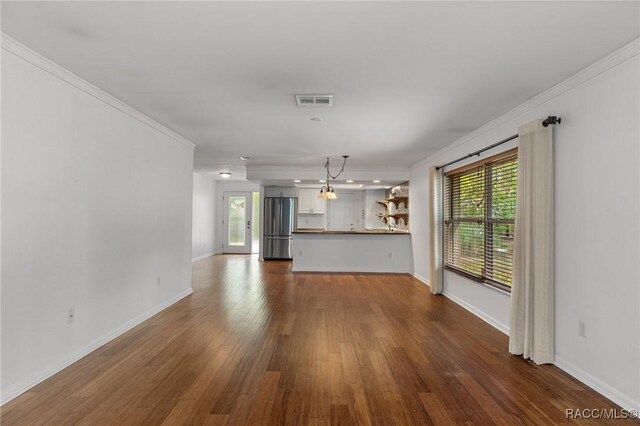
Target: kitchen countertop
[365,232]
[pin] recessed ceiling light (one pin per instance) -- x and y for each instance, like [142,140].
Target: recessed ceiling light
[387,187]
[316,118]
[225,175]
[349,181]
[297,180]
[322,181]
[243,158]
[376,181]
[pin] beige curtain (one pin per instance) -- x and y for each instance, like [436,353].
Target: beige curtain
[531,333]
[436,259]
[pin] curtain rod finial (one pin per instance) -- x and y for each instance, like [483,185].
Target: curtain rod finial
[552,119]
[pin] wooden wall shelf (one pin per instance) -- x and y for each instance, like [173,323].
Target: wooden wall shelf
[396,201]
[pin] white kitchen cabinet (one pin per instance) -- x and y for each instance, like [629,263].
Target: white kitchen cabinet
[309,202]
[289,192]
[277,191]
[272,191]
[304,201]
[317,202]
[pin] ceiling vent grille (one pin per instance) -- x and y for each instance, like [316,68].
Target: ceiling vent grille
[314,100]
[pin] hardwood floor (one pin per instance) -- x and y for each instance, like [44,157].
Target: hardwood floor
[257,344]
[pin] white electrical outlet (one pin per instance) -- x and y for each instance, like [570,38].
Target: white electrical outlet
[390,255]
[158,282]
[70,316]
[300,253]
[582,329]
[205,243]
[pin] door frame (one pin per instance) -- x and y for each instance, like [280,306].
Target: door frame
[246,248]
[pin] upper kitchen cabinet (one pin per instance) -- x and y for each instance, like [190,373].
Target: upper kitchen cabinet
[309,202]
[318,203]
[276,191]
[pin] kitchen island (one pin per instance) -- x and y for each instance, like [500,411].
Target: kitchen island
[352,251]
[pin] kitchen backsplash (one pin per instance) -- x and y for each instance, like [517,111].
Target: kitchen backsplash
[311,221]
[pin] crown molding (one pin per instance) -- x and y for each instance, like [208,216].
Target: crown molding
[10,45]
[610,61]
[276,168]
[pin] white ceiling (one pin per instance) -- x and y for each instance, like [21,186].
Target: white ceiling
[408,77]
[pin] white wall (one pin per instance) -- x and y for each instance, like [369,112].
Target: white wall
[204,216]
[96,218]
[596,223]
[352,253]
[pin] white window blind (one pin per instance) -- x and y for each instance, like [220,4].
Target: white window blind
[479,212]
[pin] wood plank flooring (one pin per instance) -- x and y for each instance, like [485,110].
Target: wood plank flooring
[257,344]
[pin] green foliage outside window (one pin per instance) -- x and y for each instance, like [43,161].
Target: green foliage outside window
[480,207]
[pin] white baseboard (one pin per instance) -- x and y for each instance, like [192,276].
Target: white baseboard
[52,369]
[421,278]
[350,270]
[483,316]
[204,256]
[597,385]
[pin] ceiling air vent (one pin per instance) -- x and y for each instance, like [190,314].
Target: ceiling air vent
[314,100]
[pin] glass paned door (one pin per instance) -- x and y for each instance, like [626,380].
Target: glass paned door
[237,221]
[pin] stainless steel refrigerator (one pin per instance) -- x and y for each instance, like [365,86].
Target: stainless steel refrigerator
[280,220]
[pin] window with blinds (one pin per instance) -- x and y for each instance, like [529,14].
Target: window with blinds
[479,212]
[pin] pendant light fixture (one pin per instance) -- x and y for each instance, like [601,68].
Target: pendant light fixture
[327,191]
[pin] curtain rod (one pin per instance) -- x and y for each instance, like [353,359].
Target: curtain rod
[552,119]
